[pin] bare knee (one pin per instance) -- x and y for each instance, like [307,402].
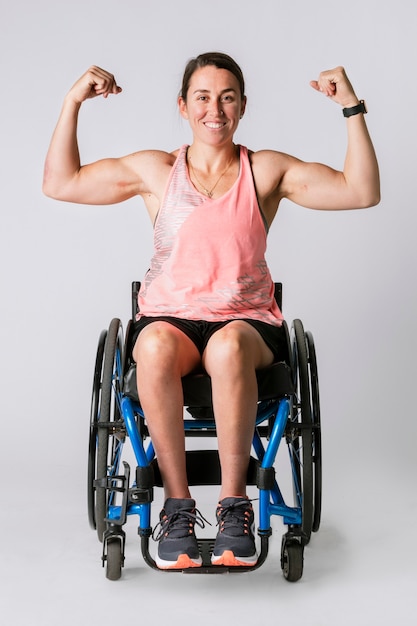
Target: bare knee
[236,347]
[163,347]
[156,346]
[228,350]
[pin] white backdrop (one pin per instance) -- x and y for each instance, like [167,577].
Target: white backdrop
[66,271]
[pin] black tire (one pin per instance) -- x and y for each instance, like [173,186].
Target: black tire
[301,439]
[114,560]
[92,442]
[317,447]
[292,559]
[110,435]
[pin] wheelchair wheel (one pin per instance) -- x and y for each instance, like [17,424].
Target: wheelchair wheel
[300,436]
[106,426]
[114,559]
[292,559]
[92,443]
[315,406]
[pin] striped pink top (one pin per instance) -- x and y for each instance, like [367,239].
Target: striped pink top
[209,254]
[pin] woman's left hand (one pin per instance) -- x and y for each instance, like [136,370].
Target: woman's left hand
[335,85]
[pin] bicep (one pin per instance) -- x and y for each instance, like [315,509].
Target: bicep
[317,186]
[107,181]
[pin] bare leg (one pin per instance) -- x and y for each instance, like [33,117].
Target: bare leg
[164,354]
[231,357]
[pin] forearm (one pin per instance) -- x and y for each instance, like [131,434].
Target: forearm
[62,162]
[361,170]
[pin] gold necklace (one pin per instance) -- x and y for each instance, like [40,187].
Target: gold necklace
[209,192]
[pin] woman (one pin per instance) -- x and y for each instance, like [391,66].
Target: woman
[207,300]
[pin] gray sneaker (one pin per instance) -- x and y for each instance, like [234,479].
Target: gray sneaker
[178,548]
[235,541]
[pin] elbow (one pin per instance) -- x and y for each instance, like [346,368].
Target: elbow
[54,185]
[372,199]
[49,189]
[376,200]
[373,196]
[52,190]
[369,196]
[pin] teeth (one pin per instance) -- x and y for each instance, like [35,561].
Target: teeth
[213,125]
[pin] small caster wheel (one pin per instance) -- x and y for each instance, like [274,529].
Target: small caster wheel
[292,558]
[114,558]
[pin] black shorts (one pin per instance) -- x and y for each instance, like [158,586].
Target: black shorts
[200,331]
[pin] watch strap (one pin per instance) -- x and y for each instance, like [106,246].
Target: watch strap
[358,108]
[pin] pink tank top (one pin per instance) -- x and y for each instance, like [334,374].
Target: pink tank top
[209,254]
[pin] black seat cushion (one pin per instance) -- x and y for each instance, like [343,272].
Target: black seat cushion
[273,382]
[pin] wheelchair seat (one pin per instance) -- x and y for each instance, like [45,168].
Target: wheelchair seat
[273,381]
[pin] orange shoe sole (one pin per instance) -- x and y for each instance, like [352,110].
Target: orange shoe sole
[183,562]
[229,559]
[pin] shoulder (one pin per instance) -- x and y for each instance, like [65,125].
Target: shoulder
[269,160]
[151,168]
[151,159]
[269,168]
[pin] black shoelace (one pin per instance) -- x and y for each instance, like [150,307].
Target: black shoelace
[234,514]
[180,521]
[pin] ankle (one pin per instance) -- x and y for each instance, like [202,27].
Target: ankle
[178,495]
[225,494]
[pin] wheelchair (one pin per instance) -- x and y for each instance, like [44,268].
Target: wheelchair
[288,412]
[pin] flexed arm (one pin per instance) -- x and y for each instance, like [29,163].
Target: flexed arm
[103,182]
[318,186]
[361,168]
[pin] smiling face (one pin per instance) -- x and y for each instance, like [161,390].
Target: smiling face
[213,105]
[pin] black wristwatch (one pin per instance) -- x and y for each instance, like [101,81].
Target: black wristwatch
[359,108]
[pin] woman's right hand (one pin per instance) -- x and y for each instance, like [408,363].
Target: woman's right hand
[95,82]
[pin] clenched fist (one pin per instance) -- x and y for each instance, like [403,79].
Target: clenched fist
[335,85]
[95,82]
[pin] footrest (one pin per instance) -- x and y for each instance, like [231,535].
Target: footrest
[205,547]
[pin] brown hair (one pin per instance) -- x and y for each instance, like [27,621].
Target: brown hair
[219,60]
